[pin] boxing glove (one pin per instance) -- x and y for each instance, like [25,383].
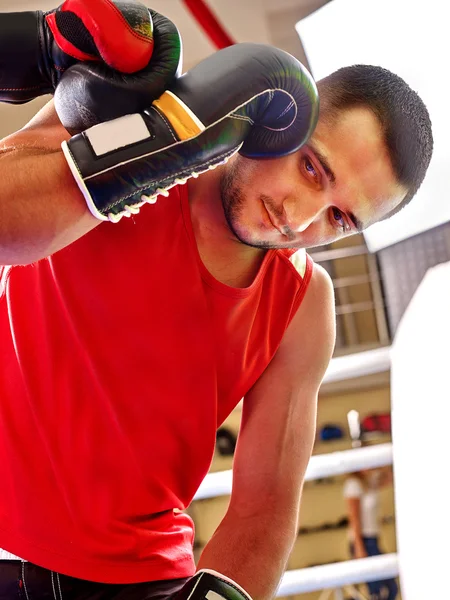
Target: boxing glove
[96,93]
[210,584]
[36,49]
[251,98]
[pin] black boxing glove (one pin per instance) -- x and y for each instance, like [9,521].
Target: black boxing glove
[250,98]
[208,585]
[36,48]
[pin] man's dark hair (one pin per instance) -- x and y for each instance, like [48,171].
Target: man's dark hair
[402,115]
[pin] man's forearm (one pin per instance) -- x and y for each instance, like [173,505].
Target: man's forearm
[41,210]
[41,207]
[251,551]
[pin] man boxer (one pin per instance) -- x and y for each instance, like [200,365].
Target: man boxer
[124,346]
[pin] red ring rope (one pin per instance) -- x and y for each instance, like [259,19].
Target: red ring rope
[209,23]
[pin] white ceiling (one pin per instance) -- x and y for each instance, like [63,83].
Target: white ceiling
[245,20]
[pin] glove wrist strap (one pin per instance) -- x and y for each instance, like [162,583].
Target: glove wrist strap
[212,586]
[23,72]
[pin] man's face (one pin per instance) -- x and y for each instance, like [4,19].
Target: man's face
[340,182]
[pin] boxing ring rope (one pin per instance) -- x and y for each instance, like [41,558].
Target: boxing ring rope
[359,364]
[320,466]
[349,572]
[209,23]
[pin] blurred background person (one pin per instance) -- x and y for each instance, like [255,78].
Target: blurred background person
[362,496]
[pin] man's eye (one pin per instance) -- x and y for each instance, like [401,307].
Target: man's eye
[339,219]
[309,167]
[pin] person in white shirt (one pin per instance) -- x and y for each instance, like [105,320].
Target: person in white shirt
[362,495]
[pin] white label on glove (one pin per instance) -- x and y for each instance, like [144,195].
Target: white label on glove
[212,595]
[109,136]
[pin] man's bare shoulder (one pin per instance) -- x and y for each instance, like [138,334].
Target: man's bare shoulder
[318,305]
[321,284]
[308,342]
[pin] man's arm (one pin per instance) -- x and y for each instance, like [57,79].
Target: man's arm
[254,540]
[354,519]
[41,207]
[385,476]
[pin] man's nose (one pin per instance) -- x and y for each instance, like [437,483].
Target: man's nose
[302,212]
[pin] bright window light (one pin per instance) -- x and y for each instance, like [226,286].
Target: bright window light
[411,39]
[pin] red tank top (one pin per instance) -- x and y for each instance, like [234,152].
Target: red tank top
[120,356]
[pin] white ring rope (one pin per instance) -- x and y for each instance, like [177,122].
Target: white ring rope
[359,364]
[322,465]
[351,366]
[349,572]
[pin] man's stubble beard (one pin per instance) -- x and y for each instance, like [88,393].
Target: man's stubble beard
[233,201]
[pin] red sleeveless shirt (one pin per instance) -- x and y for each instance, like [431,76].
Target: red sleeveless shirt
[120,356]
